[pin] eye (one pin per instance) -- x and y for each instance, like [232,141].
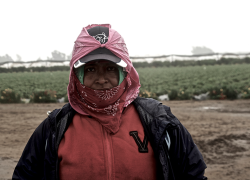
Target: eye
[90,69]
[111,68]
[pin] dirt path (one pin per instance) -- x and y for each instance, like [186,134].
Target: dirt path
[221,130]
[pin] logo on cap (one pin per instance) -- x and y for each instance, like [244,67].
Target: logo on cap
[102,38]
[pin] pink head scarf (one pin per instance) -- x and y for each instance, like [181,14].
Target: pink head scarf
[84,45]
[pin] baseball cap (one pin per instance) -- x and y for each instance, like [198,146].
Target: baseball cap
[101,34]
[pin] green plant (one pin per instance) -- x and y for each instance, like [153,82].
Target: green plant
[231,93]
[147,94]
[246,93]
[183,95]
[9,96]
[162,80]
[173,94]
[44,96]
[216,93]
[66,98]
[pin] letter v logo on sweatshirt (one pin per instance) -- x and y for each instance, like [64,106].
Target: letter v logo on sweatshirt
[142,146]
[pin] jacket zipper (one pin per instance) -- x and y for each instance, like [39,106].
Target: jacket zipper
[108,153]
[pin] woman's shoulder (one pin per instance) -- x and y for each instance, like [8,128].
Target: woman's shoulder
[146,103]
[55,115]
[155,109]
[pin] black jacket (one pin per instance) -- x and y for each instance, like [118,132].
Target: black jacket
[182,161]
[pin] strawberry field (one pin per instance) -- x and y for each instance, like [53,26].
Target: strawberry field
[221,81]
[181,83]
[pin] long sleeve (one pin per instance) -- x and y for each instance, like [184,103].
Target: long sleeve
[186,159]
[30,165]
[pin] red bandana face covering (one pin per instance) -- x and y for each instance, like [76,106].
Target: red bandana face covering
[105,106]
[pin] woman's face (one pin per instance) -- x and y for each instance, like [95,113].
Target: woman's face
[101,74]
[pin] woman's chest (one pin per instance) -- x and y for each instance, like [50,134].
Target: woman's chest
[87,151]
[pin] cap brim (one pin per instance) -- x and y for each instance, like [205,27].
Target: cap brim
[93,57]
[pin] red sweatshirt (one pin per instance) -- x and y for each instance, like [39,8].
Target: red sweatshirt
[87,151]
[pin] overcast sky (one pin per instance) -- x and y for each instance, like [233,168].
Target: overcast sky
[34,29]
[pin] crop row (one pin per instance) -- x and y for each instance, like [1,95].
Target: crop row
[221,81]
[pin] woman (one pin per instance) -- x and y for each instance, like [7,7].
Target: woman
[106,131]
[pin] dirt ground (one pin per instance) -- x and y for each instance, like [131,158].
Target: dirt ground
[221,130]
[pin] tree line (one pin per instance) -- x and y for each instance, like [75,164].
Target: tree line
[55,55]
